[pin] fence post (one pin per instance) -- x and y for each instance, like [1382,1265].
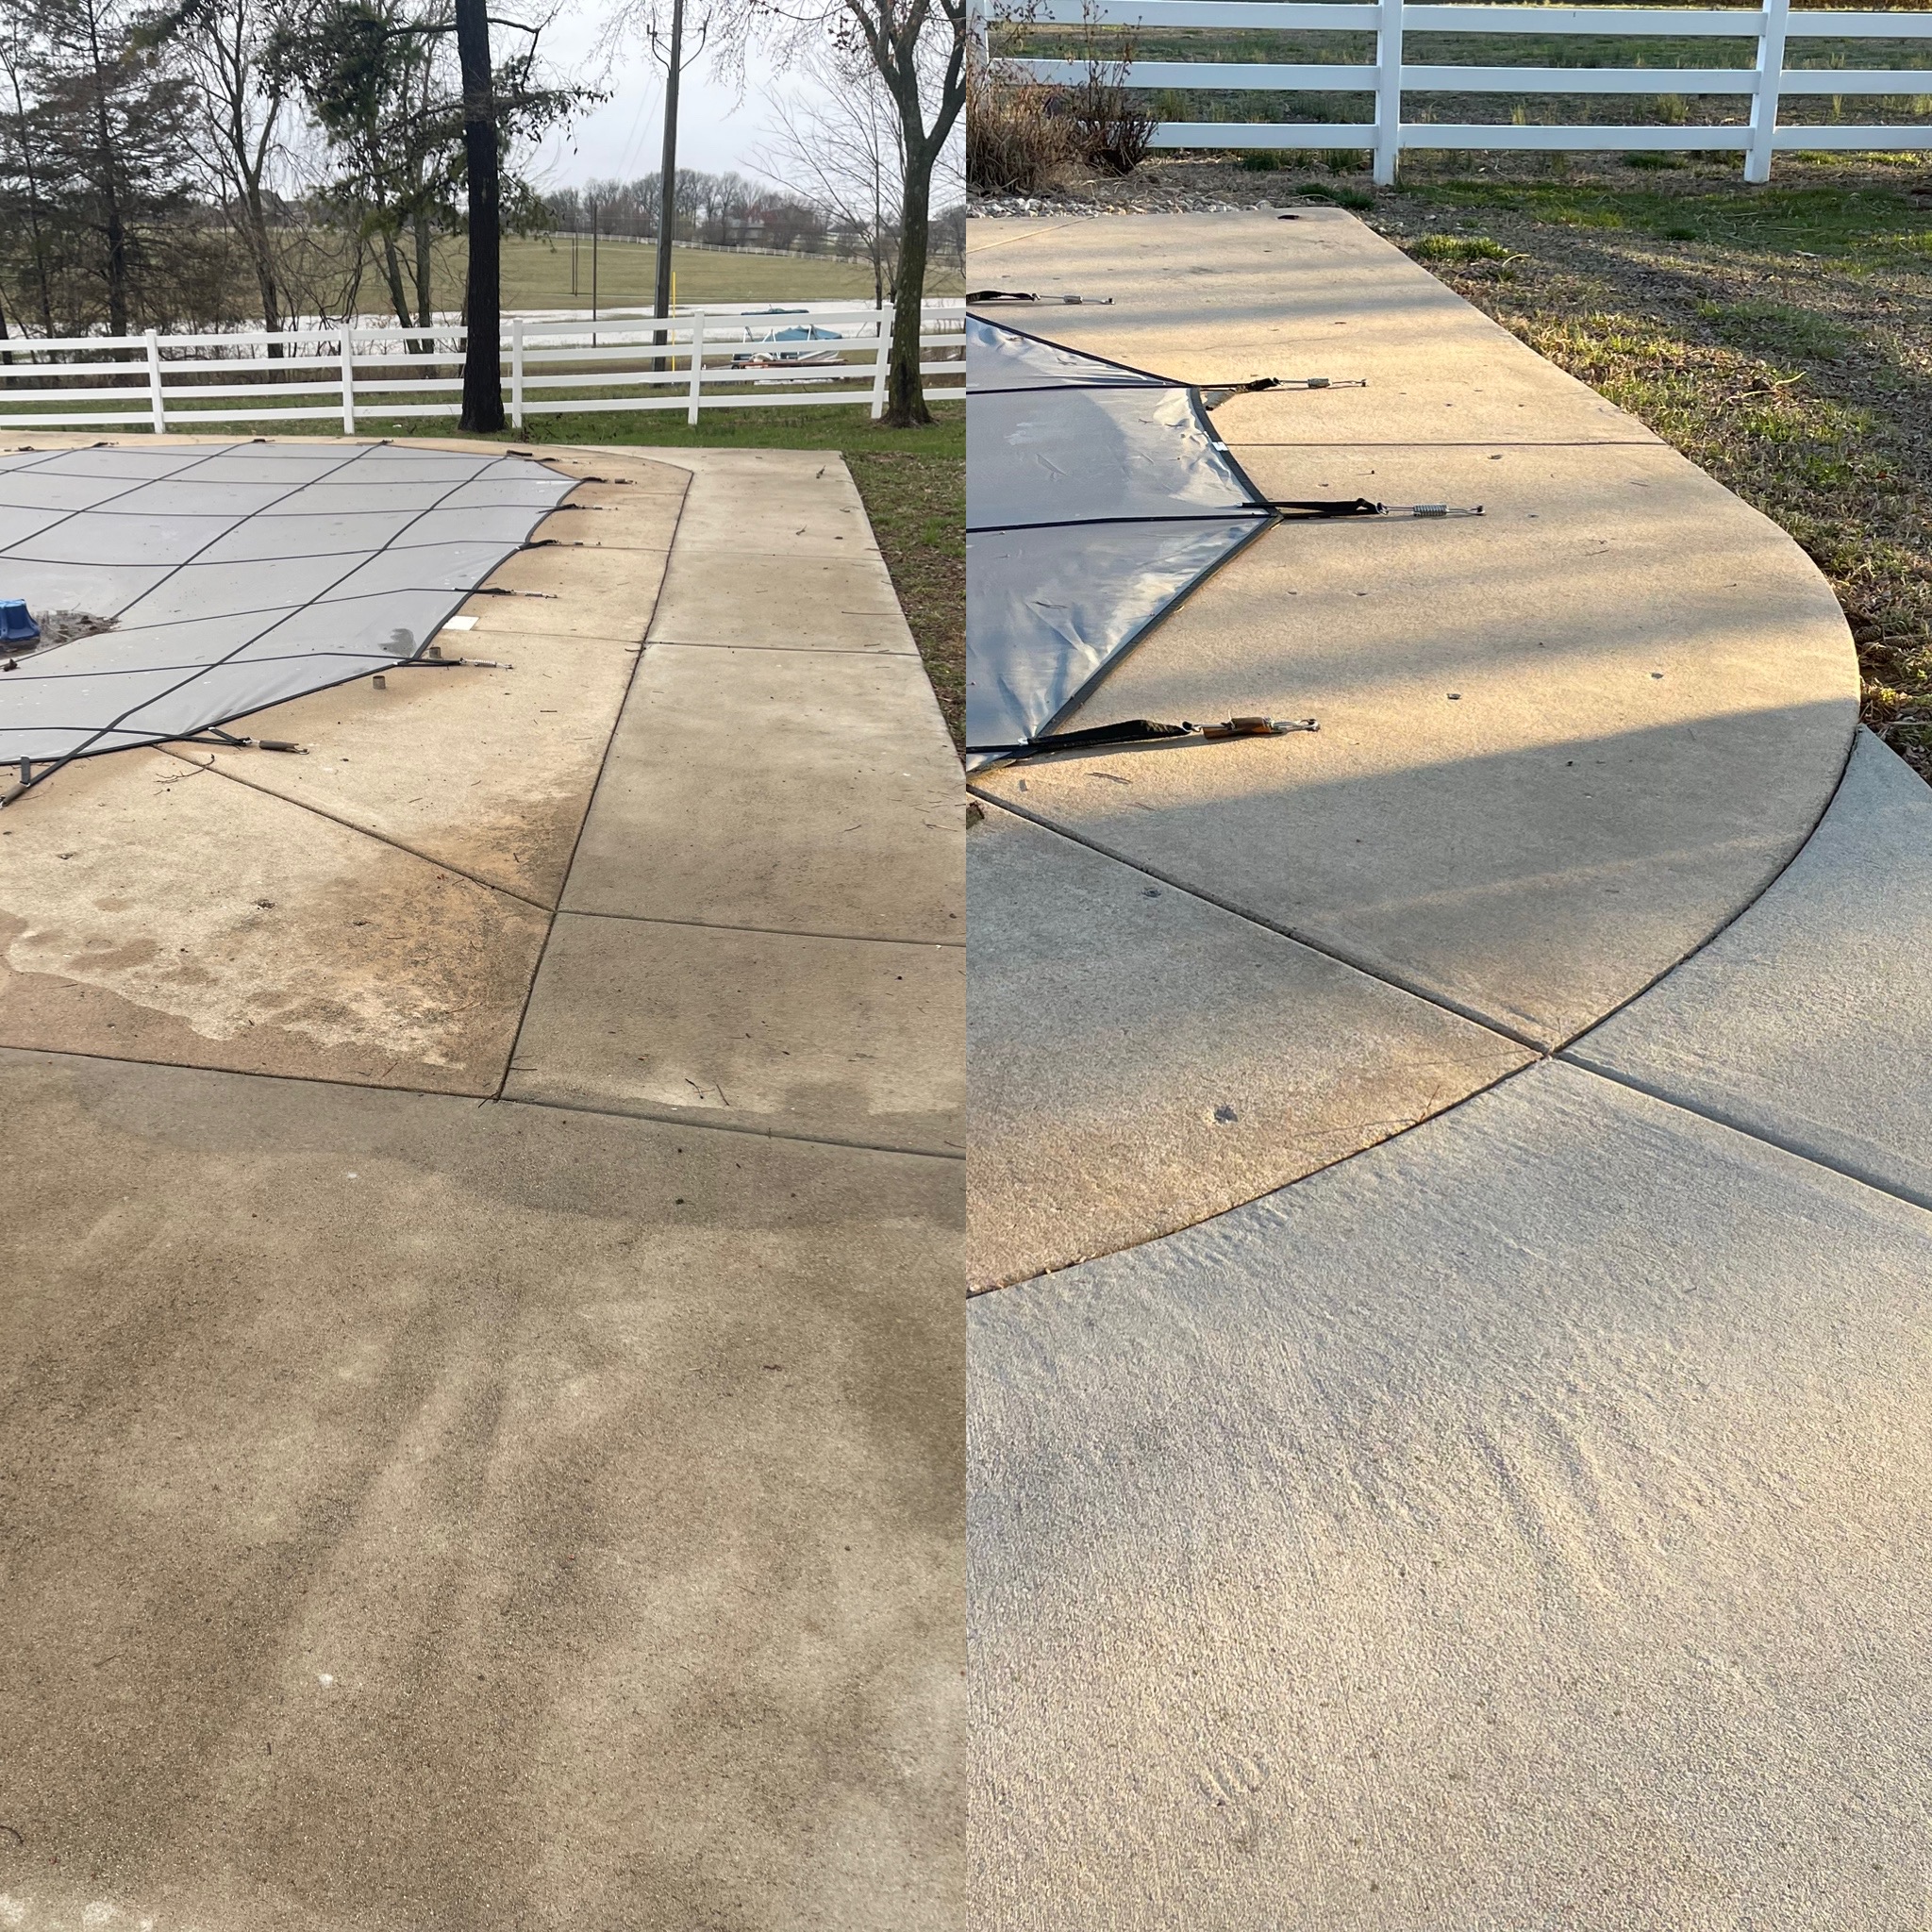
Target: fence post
[156,398]
[1388,92]
[1772,23]
[348,378]
[516,373]
[697,365]
[882,362]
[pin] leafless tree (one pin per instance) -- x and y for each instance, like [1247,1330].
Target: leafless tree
[918,50]
[245,113]
[840,145]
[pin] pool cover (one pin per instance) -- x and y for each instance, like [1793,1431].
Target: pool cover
[1096,497]
[239,575]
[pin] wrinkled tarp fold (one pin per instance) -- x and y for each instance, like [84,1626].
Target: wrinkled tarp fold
[1097,496]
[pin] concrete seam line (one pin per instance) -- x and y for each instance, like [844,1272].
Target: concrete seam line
[510,1059]
[1326,950]
[1340,1161]
[1487,442]
[350,825]
[676,1117]
[808,650]
[1583,1033]
[472,1095]
[1761,1135]
[780,932]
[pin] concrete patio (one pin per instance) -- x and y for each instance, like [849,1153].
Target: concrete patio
[1451,1190]
[482,1416]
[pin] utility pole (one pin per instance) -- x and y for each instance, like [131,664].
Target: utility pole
[667,215]
[594,273]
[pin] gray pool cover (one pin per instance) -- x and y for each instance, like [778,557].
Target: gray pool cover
[1096,497]
[240,576]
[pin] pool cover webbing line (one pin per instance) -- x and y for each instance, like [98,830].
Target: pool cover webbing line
[249,492]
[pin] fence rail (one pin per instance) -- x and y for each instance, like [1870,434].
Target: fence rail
[695,360]
[1389,79]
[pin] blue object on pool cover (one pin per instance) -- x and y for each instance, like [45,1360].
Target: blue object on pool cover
[1097,496]
[238,575]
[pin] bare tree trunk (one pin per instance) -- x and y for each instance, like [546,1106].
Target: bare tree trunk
[110,199]
[425,305]
[667,178]
[483,293]
[393,274]
[30,173]
[904,389]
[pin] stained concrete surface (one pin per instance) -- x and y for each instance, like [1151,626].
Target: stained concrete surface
[843,821]
[1142,1059]
[154,911]
[421,1511]
[569,591]
[424,1514]
[1809,1022]
[854,1040]
[1524,1523]
[488,771]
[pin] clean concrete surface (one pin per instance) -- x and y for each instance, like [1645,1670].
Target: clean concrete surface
[425,1514]
[1809,1023]
[1225,298]
[1523,1523]
[1562,744]
[781,601]
[854,1040]
[1141,1059]
[811,793]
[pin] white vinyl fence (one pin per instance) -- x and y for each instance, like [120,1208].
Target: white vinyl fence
[357,373]
[1773,26]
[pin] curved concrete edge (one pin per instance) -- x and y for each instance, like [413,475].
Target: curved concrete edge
[1196,1060]
[1807,1021]
[1523,1521]
[1563,745]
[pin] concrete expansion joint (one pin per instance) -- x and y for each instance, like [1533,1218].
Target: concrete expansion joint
[215,771]
[764,1128]
[637,657]
[1792,1145]
[1717,1116]
[1430,996]
[783,932]
[814,650]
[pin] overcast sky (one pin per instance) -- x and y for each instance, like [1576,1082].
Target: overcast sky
[625,137]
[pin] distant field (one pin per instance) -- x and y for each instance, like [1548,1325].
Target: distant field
[537,274]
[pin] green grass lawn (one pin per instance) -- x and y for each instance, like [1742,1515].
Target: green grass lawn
[1781,337]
